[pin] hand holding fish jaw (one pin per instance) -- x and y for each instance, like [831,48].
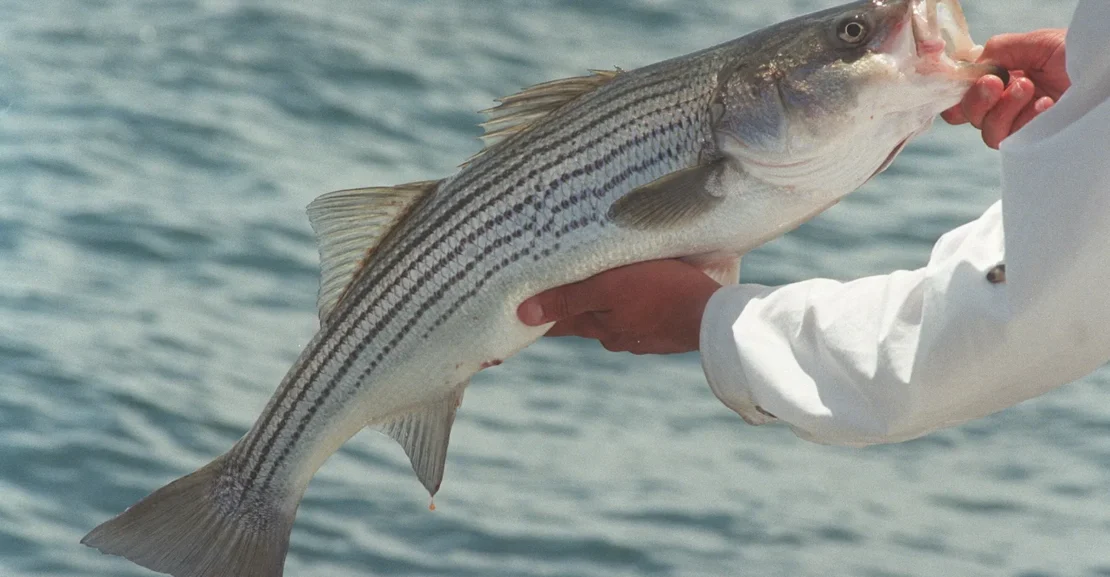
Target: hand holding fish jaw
[653,307]
[1039,77]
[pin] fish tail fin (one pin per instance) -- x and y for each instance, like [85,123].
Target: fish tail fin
[187,530]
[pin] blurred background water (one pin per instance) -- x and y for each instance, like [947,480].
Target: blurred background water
[158,276]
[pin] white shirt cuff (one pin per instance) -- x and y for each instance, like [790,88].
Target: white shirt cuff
[720,357]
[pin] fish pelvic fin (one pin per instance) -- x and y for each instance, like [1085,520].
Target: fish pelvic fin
[724,270]
[424,434]
[184,529]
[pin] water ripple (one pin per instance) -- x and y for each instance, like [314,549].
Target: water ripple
[158,276]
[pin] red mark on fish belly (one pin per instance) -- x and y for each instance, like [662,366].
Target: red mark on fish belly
[489,364]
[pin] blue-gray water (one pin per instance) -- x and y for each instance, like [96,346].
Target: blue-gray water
[158,276]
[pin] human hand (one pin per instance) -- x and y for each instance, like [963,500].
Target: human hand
[1036,61]
[652,307]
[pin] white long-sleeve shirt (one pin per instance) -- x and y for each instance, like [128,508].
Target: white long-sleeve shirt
[889,358]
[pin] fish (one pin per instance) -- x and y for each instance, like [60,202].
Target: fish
[701,157]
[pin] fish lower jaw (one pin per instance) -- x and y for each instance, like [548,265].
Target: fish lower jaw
[930,47]
[935,56]
[942,44]
[935,63]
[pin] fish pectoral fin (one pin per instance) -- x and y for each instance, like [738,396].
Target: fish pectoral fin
[424,434]
[725,271]
[673,200]
[349,224]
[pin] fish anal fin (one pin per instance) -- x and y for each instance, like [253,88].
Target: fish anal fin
[519,112]
[672,200]
[349,225]
[424,435]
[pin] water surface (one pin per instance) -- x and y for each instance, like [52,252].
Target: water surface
[158,276]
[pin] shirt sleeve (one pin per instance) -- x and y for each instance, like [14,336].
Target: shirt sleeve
[889,358]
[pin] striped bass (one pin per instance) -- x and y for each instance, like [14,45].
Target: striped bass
[702,157]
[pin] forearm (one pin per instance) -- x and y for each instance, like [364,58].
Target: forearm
[853,363]
[888,358]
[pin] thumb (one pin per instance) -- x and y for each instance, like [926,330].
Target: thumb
[1022,51]
[531,311]
[559,303]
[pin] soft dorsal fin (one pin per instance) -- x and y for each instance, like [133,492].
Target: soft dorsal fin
[518,112]
[349,224]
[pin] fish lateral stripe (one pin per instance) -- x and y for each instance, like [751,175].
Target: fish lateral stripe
[387,316]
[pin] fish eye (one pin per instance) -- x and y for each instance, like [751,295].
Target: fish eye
[852,30]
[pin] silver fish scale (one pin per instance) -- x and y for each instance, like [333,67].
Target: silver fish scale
[548,189]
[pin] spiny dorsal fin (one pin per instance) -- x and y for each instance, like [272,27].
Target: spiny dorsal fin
[349,224]
[518,112]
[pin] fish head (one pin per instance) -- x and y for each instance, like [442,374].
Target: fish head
[833,96]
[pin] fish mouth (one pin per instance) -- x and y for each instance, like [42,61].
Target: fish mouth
[940,28]
[943,42]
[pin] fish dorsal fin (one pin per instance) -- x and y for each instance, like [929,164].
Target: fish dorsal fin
[519,112]
[424,434]
[349,224]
